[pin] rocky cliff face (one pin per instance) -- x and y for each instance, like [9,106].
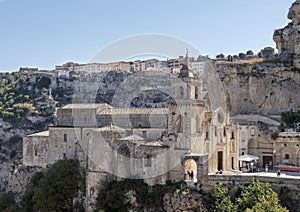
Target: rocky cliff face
[121,89]
[184,201]
[26,106]
[265,88]
[288,39]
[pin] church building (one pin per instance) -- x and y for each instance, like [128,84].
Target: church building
[154,144]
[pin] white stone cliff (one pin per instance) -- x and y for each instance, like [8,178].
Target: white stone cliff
[288,38]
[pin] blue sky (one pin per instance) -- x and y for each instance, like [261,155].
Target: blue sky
[45,33]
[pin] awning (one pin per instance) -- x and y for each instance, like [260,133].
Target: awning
[248,158]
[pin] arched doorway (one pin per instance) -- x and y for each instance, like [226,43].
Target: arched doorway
[252,147]
[190,170]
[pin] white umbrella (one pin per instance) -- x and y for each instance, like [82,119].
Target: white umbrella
[248,158]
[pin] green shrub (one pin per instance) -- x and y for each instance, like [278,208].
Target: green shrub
[290,118]
[15,139]
[43,82]
[6,114]
[12,154]
[274,136]
[55,189]
[112,197]
[7,201]
[25,106]
[26,97]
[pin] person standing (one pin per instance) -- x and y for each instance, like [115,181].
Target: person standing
[252,166]
[188,175]
[266,167]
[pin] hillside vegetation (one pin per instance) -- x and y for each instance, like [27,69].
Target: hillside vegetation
[25,107]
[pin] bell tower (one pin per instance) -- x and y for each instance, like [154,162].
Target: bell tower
[186,110]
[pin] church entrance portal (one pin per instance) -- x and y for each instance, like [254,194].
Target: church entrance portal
[190,170]
[267,160]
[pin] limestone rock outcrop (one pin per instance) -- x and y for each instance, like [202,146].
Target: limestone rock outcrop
[260,88]
[184,201]
[288,38]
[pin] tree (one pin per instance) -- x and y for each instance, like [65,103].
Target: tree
[249,52]
[7,202]
[259,55]
[242,55]
[201,58]
[12,154]
[287,200]
[254,197]
[258,197]
[43,82]
[290,118]
[220,56]
[266,53]
[221,199]
[55,189]
[26,202]
[113,196]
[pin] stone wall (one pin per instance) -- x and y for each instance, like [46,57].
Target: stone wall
[35,149]
[262,146]
[247,133]
[147,120]
[78,115]
[288,148]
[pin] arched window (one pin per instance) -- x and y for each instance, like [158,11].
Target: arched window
[148,160]
[181,92]
[92,191]
[196,92]
[179,126]
[207,135]
[232,135]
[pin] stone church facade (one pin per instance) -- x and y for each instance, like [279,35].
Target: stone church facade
[154,144]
